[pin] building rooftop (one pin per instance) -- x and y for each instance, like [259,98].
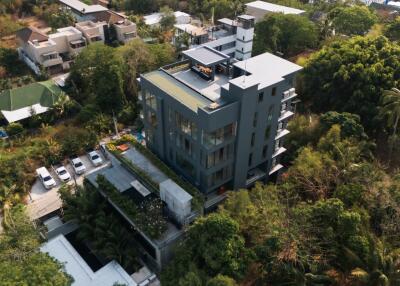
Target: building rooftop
[17,104]
[82,7]
[181,92]
[265,69]
[66,31]
[191,29]
[206,56]
[155,18]
[62,250]
[270,7]
[30,34]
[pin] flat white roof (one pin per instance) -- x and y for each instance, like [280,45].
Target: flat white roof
[265,69]
[22,113]
[270,7]
[60,248]
[82,7]
[155,18]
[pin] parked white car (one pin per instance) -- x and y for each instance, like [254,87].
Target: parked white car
[78,166]
[45,177]
[95,158]
[63,174]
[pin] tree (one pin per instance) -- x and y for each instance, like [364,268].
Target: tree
[350,76]
[352,20]
[350,125]
[392,30]
[97,77]
[221,280]
[168,18]
[391,110]
[288,34]
[20,254]
[213,246]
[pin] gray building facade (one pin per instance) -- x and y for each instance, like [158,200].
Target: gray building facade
[219,124]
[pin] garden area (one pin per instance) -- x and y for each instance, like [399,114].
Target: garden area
[198,199]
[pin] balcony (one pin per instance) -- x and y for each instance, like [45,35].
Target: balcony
[255,175]
[285,114]
[281,133]
[275,168]
[278,151]
[289,94]
[52,61]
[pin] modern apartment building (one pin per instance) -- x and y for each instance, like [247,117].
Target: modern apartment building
[218,123]
[231,37]
[52,52]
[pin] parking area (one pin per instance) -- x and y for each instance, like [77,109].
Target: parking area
[44,201]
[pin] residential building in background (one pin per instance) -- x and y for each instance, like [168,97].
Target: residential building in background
[220,124]
[92,31]
[231,37]
[153,20]
[258,9]
[99,15]
[52,52]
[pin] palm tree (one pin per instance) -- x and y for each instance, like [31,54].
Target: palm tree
[391,110]
[391,107]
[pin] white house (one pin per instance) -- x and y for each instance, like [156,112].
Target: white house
[258,9]
[51,52]
[155,18]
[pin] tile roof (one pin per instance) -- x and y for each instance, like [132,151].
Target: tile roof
[31,33]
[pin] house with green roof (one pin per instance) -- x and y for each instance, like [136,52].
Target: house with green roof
[22,102]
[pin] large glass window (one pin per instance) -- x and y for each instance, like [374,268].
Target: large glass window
[185,125]
[150,100]
[152,118]
[185,165]
[219,156]
[271,112]
[219,176]
[220,135]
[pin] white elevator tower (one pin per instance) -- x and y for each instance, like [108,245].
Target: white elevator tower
[244,37]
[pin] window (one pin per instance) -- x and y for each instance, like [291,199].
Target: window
[185,165]
[250,159]
[221,155]
[273,93]
[267,132]
[253,139]
[264,151]
[185,125]
[150,100]
[152,118]
[218,136]
[255,119]
[270,112]
[260,96]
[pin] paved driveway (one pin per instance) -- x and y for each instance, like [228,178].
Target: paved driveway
[44,201]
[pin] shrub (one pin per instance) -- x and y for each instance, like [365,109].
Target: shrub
[14,128]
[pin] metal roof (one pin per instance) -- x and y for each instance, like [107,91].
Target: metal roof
[116,175]
[270,7]
[206,56]
[82,7]
[110,274]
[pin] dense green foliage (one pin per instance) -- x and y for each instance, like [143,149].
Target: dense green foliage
[21,262]
[97,78]
[351,76]
[324,224]
[392,30]
[288,34]
[99,225]
[352,20]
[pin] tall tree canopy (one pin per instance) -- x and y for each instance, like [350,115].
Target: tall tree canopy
[352,20]
[351,76]
[21,262]
[97,78]
[288,34]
